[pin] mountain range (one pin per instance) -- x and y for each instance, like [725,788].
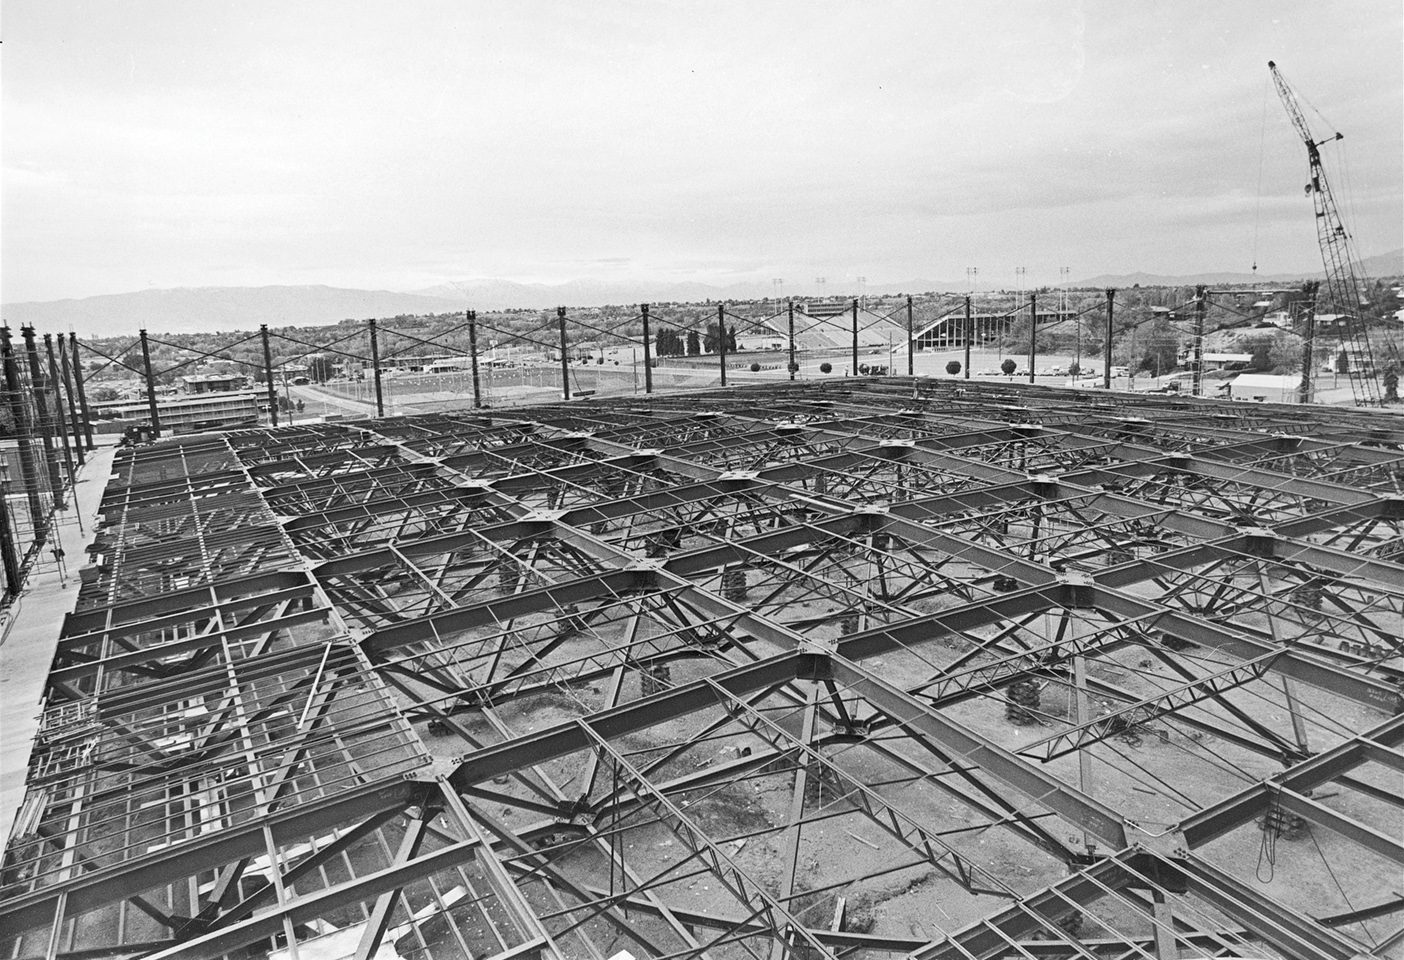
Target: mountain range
[213,309]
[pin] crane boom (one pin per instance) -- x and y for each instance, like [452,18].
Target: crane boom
[1342,285]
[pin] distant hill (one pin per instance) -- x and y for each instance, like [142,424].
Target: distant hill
[505,294]
[1385,265]
[212,309]
[1382,265]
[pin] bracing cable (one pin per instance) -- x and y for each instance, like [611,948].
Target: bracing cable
[1262,154]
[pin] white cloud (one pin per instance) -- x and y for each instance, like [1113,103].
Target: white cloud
[363,143]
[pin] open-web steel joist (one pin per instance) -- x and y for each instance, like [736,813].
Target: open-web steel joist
[862,670]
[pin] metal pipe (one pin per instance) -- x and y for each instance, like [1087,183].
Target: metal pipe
[1033,333]
[911,347]
[268,375]
[38,385]
[969,336]
[855,338]
[375,369]
[1201,306]
[473,357]
[1107,346]
[150,386]
[19,411]
[1305,394]
[648,351]
[721,340]
[9,556]
[790,309]
[82,390]
[73,417]
[565,361]
[57,418]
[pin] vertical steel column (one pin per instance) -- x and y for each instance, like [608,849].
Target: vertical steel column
[1033,332]
[721,340]
[1201,307]
[473,357]
[150,386]
[911,347]
[82,391]
[790,309]
[1306,394]
[9,556]
[565,360]
[59,428]
[648,351]
[855,338]
[1107,346]
[73,417]
[268,375]
[969,336]
[19,411]
[375,369]
[39,386]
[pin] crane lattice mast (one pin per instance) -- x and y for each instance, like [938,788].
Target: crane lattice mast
[1342,286]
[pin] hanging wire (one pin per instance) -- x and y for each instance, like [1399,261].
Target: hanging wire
[1262,155]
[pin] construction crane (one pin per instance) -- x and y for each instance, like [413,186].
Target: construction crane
[1342,286]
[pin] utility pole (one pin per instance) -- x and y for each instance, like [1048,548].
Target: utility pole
[73,416]
[150,386]
[565,361]
[721,340]
[1201,307]
[1033,332]
[268,371]
[911,345]
[1107,347]
[790,309]
[855,338]
[648,351]
[969,336]
[473,358]
[1306,394]
[375,369]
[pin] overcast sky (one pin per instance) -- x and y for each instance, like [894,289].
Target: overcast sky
[402,144]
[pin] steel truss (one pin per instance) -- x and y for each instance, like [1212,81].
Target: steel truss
[883,668]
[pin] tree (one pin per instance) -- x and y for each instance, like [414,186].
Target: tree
[103,395]
[1074,369]
[694,343]
[1160,346]
[1391,384]
[826,367]
[953,367]
[1286,353]
[320,368]
[1008,367]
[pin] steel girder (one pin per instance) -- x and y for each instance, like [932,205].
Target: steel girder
[904,555]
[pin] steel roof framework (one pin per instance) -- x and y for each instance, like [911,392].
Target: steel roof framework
[439,685]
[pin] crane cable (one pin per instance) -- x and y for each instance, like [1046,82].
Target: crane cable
[1262,155]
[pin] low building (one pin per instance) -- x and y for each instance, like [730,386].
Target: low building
[1227,361]
[213,383]
[1264,387]
[219,411]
